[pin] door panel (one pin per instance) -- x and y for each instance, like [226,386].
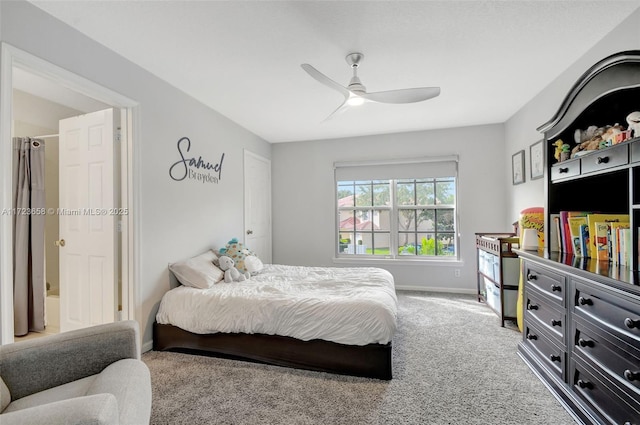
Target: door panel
[87,226]
[257,205]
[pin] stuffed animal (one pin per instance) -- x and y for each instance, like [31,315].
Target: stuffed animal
[558,144]
[633,119]
[609,135]
[253,264]
[581,136]
[231,273]
[245,259]
[590,139]
[565,152]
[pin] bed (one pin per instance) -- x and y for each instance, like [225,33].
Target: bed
[337,320]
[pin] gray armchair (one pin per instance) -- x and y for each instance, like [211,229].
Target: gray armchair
[88,376]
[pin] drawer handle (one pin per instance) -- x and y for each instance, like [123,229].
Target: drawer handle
[556,288]
[586,343]
[585,301]
[556,322]
[585,384]
[631,376]
[532,307]
[630,323]
[555,358]
[532,337]
[602,160]
[563,170]
[532,276]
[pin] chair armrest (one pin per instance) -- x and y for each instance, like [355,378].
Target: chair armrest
[95,409]
[35,365]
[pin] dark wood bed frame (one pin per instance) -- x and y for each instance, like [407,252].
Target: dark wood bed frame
[371,361]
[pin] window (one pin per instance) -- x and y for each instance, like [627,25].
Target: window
[403,210]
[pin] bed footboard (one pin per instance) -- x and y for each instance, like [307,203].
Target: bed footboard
[371,361]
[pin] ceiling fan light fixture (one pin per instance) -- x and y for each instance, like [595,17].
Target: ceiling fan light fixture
[355,101]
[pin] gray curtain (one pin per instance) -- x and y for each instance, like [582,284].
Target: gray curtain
[28,235]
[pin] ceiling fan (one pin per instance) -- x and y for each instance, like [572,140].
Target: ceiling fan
[356,94]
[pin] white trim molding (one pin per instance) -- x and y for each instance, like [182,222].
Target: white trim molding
[10,58]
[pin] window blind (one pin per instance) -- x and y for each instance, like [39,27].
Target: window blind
[397,169]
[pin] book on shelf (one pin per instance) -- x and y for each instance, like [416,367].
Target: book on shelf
[601,237]
[592,219]
[625,251]
[574,232]
[616,240]
[638,241]
[567,241]
[584,239]
[555,244]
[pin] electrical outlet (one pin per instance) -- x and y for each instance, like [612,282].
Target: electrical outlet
[456,272]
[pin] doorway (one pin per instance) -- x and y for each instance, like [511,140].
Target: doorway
[257,204]
[39,114]
[54,94]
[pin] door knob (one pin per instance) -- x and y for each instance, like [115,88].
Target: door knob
[61,242]
[249,232]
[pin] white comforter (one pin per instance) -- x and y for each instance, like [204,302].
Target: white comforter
[355,306]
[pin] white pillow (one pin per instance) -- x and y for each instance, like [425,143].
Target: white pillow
[199,271]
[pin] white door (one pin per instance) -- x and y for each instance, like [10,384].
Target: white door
[257,205]
[87,221]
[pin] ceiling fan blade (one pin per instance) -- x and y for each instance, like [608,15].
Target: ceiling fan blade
[340,109]
[404,95]
[325,80]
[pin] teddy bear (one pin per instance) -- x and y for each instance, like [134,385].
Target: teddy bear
[245,259]
[231,273]
[588,140]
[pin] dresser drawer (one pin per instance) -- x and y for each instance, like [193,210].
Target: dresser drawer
[612,157]
[551,284]
[618,360]
[611,404]
[613,314]
[553,357]
[565,169]
[544,315]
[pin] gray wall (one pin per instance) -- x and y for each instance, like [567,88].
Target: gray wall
[304,197]
[177,219]
[180,219]
[520,129]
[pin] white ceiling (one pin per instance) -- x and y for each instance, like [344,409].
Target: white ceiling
[242,58]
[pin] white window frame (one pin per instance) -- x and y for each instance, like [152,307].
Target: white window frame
[433,163]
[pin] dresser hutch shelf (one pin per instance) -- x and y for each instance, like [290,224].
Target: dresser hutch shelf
[581,328]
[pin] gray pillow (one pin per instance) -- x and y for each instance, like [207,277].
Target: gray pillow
[199,271]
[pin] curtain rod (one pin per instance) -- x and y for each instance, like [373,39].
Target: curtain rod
[45,136]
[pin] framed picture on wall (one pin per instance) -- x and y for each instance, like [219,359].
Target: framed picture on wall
[517,167]
[537,160]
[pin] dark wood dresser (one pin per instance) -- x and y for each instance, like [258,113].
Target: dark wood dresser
[582,335]
[581,329]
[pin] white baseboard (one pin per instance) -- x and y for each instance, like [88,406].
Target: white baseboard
[435,289]
[147,346]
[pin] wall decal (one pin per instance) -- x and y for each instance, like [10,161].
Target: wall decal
[194,168]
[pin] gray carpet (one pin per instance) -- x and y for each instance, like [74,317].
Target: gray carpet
[453,364]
